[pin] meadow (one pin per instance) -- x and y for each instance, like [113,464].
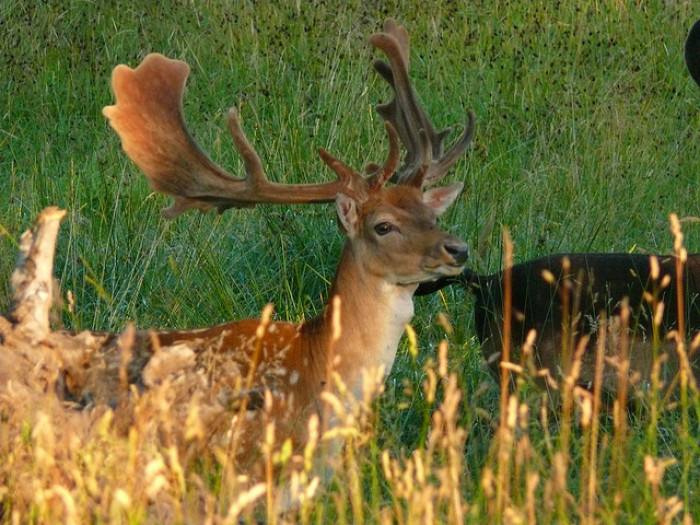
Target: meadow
[587,139]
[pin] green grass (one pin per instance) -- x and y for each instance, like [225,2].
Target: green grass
[587,138]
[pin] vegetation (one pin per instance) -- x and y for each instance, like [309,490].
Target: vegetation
[586,141]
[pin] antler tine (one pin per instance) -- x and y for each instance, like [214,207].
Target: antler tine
[148,118]
[356,184]
[426,155]
[402,111]
[407,115]
[392,160]
[253,165]
[440,168]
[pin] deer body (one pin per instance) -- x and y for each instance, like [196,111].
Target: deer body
[294,358]
[568,305]
[279,370]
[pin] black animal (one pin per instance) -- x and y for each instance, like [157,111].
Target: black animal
[562,298]
[692,52]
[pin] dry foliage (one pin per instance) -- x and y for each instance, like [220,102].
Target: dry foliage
[162,452]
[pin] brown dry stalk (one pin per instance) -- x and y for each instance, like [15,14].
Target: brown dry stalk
[32,280]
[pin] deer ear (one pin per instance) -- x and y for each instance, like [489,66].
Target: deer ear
[347,214]
[439,199]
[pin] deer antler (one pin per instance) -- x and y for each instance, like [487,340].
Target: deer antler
[378,175]
[148,118]
[425,162]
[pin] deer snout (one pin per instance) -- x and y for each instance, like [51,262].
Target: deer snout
[458,250]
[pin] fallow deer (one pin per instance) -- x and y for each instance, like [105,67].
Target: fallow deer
[561,298]
[393,244]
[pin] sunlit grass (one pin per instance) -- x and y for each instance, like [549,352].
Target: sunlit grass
[587,127]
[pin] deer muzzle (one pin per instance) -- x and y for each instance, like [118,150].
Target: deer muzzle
[456,250]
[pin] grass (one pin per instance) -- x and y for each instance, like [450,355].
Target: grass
[586,141]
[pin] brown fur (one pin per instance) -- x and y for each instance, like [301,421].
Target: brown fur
[243,362]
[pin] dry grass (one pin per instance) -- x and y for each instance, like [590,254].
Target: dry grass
[150,458]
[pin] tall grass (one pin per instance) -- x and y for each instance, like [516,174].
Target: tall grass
[586,140]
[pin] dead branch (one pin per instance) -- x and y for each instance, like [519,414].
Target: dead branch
[32,280]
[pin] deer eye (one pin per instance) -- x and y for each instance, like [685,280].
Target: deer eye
[383,228]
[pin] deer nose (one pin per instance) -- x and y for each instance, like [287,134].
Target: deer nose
[458,250]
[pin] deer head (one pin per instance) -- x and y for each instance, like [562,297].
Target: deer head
[393,230]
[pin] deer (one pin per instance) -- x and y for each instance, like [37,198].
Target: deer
[278,371]
[560,298]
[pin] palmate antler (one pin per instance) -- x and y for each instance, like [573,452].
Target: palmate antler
[425,162]
[148,118]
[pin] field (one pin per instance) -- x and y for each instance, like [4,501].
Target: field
[587,139]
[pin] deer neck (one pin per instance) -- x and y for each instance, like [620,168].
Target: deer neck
[373,314]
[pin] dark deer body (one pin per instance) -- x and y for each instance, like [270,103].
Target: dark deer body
[568,304]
